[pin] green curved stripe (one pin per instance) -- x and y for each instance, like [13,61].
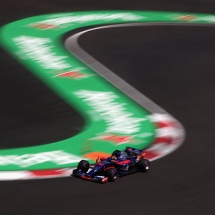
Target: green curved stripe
[36,43]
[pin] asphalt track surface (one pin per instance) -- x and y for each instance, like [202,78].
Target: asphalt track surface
[173,66]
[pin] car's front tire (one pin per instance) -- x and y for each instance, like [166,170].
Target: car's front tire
[144,165]
[84,165]
[111,174]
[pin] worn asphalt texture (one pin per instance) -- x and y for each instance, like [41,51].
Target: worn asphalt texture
[174,66]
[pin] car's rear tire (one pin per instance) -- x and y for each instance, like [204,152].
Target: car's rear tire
[111,174]
[84,165]
[144,165]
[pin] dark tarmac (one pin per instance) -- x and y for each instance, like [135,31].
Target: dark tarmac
[172,65]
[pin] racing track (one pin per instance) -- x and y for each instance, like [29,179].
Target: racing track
[181,81]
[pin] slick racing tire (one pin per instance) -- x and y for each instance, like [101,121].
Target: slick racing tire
[144,165]
[111,174]
[84,165]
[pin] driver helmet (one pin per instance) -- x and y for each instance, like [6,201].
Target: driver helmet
[115,155]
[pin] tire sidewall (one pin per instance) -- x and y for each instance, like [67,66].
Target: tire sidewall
[83,165]
[111,174]
[144,165]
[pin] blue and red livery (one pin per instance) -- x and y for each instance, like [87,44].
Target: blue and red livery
[120,163]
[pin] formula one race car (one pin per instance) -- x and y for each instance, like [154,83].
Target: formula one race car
[120,163]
